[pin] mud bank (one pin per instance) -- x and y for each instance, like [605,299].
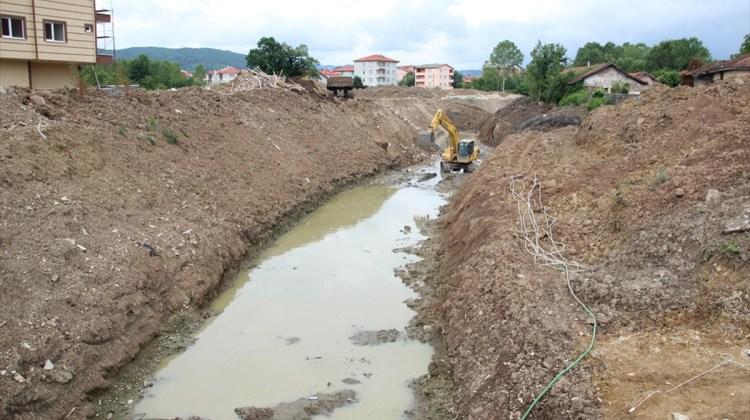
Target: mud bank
[119,212]
[647,195]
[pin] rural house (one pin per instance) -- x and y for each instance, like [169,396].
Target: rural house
[720,70]
[376,70]
[434,76]
[44,42]
[604,76]
[225,75]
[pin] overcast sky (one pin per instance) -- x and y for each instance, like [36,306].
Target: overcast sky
[459,32]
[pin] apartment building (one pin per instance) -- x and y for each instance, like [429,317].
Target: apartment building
[376,70]
[434,76]
[43,42]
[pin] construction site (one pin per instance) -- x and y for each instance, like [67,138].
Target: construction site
[267,250]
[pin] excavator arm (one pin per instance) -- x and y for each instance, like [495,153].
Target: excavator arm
[441,120]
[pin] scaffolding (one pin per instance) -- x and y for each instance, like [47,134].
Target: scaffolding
[105,34]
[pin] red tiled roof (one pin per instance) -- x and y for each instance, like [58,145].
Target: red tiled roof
[347,67]
[227,70]
[330,73]
[740,63]
[377,57]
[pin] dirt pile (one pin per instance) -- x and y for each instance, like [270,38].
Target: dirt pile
[642,193]
[526,114]
[119,211]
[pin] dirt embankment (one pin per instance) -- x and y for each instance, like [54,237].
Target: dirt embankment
[117,212]
[654,197]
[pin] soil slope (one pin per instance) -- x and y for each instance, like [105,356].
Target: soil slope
[643,193]
[119,211]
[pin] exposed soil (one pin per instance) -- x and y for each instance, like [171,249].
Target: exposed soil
[526,114]
[643,194]
[119,212]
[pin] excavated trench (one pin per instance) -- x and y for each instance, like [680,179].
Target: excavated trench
[319,313]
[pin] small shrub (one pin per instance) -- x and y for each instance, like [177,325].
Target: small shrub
[122,131]
[576,98]
[153,124]
[599,93]
[150,139]
[184,133]
[595,102]
[170,136]
[620,87]
[661,177]
[731,248]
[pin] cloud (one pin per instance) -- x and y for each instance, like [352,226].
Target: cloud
[460,32]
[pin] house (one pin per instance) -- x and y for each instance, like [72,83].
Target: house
[345,71]
[376,70]
[402,71]
[186,73]
[44,42]
[720,70]
[325,74]
[603,76]
[225,75]
[645,76]
[434,76]
[468,79]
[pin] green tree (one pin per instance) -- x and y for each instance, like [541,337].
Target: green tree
[272,56]
[408,79]
[676,54]
[458,80]
[668,77]
[139,68]
[505,55]
[544,78]
[629,57]
[357,82]
[199,73]
[745,47]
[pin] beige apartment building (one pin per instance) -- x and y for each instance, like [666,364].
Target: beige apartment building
[43,42]
[434,76]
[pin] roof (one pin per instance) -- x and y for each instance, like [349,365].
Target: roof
[329,73]
[406,68]
[227,70]
[432,66]
[376,57]
[347,67]
[740,63]
[590,71]
[643,75]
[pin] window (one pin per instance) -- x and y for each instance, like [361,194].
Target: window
[13,27]
[88,28]
[54,31]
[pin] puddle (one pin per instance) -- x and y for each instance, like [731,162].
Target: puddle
[286,324]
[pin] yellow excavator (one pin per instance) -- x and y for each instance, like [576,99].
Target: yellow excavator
[459,154]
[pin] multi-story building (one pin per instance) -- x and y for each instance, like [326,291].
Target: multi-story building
[225,75]
[434,76]
[376,70]
[43,42]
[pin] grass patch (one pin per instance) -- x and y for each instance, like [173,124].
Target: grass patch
[184,133]
[170,136]
[150,139]
[122,130]
[152,124]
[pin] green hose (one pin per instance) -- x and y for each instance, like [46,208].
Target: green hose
[570,366]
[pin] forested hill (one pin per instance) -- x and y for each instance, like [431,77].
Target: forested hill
[187,58]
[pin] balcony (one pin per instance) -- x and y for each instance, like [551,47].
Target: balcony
[105,37]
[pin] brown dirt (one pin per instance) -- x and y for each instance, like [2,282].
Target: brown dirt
[628,189]
[198,177]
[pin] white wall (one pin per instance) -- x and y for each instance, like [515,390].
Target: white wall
[376,73]
[606,78]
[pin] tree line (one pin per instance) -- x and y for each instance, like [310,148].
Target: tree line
[544,79]
[147,73]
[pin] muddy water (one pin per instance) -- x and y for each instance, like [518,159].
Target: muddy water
[284,330]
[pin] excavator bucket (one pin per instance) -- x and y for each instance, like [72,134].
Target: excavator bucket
[426,139]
